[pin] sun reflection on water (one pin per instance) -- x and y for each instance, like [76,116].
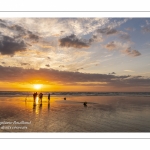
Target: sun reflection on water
[37,100]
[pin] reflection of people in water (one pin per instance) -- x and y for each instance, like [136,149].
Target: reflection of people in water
[34,97]
[37,108]
[48,105]
[49,96]
[40,108]
[34,105]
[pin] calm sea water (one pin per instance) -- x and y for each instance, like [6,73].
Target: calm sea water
[27,93]
[105,112]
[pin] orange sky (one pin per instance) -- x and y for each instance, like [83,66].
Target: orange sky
[75,54]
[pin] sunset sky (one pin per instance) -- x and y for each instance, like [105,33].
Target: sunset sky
[75,54]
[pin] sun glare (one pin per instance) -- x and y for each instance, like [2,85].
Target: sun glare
[37,86]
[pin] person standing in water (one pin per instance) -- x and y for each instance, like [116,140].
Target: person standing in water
[49,97]
[40,97]
[34,96]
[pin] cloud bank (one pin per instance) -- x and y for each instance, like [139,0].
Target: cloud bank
[16,74]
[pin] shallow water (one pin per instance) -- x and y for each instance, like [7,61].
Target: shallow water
[102,114]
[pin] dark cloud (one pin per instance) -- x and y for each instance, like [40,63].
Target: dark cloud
[73,41]
[3,62]
[24,64]
[111,46]
[33,36]
[128,51]
[93,38]
[8,45]
[18,28]
[112,73]
[135,81]
[131,52]
[47,65]
[137,77]
[107,31]
[16,74]
[79,69]
[21,31]
[2,25]
[110,31]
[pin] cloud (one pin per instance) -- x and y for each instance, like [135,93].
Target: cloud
[13,74]
[123,48]
[47,65]
[24,33]
[61,66]
[73,41]
[24,64]
[111,46]
[8,45]
[2,24]
[129,29]
[124,36]
[107,31]
[131,52]
[111,31]
[79,69]
[19,31]
[17,28]
[16,74]
[95,38]
[129,70]
[33,36]
[146,28]
[112,73]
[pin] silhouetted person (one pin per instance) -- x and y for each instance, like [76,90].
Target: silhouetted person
[41,96]
[49,96]
[36,94]
[64,98]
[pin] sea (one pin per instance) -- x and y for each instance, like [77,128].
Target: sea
[29,93]
[67,112]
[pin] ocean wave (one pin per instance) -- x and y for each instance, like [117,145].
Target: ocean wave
[18,93]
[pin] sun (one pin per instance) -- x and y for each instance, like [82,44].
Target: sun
[37,86]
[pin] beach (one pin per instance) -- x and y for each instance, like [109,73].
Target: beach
[102,114]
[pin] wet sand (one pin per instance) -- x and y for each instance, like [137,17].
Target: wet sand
[102,114]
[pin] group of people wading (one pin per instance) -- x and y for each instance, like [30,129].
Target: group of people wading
[35,95]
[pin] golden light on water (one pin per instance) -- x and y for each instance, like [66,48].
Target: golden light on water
[37,100]
[37,86]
